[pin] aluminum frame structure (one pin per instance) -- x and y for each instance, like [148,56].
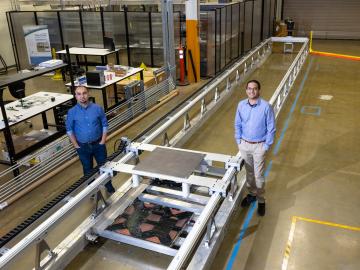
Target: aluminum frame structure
[131,108]
[218,209]
[218,187]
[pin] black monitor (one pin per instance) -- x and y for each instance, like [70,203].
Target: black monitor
[109,43]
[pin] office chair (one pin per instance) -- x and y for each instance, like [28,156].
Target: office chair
[17,90]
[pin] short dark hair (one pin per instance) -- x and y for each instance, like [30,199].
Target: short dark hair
[81,86]
[254,81]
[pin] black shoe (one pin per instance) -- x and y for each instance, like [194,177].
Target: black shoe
[261,209]
[248,200]
[109,188]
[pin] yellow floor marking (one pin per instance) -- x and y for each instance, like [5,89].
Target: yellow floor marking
[292,232]
[288,245]
[337,55]
[346,227]
[349,172]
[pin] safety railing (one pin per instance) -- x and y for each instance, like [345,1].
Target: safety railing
[124,112]
[282,91]
[212,95]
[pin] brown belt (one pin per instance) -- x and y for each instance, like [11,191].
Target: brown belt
[252,142]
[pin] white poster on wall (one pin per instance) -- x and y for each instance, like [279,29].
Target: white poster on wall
[37,43]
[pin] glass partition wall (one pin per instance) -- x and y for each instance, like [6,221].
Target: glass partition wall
[227,31]
[138,35]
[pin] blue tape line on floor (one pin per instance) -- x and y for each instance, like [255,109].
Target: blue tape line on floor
[245,226]
[242,232]
[286,125]
[267,171]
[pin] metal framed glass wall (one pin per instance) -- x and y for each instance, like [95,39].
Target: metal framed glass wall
[238,27]
[266,19]
[17,21]
[137,34]
[71,28]
[248,25]
[257,20]
[207,43]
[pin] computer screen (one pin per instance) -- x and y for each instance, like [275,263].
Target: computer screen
[109,43]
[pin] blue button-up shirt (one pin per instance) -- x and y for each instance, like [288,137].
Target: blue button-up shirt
[255,123]
[86,123]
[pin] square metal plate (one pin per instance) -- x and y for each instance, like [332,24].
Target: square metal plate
[170,162]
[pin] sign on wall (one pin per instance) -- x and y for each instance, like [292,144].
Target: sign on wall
[37,43]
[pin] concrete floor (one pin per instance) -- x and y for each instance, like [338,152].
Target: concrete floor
[314,173]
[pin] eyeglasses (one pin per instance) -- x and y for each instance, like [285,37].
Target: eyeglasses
[250,89]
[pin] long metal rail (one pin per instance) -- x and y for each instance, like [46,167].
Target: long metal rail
[235,75]
[124,113]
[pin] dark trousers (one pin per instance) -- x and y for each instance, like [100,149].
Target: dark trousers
[87,152]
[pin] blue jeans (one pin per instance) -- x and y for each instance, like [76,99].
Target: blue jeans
[87,152]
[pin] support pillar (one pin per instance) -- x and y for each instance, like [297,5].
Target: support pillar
[192,39]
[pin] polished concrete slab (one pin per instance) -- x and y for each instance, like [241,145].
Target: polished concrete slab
[314,173]
[322,245]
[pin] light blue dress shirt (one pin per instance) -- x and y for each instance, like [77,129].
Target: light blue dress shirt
[86,123]
[255,123]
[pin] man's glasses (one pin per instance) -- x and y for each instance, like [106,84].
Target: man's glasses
[250,89]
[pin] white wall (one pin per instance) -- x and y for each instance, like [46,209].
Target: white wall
[5,41]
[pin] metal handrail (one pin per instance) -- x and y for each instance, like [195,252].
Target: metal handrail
[129,109]
[38,233]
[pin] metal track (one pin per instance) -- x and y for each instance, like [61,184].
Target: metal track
[128,111]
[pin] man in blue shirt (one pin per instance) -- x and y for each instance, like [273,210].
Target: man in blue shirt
[87,126]
[254,134]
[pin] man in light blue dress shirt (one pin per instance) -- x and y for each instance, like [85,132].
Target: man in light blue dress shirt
[87,127]
[254,134]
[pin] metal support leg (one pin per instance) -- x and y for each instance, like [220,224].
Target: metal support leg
[117,58]
[228,84]
[44,119]
[104,204]
[203,107]
[103,91]
[187,124]
[185,190]
[210,231]
[40,248]
[166,141]
[217,94]
[135,180]
[233,187]
[116,98]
